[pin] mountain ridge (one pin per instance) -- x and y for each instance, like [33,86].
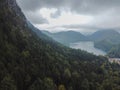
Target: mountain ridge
[29,62]
[104,34]
[67,37]
[106,39]
[103,39]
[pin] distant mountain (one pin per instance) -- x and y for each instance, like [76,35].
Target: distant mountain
[104,45]
[108,35]
[67,37]
[30,60]
[105,39]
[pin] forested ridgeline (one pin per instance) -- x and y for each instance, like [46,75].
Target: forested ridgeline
[29,62]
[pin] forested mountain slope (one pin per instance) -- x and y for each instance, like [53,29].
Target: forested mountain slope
[115,51]
[29,62]
[105,39]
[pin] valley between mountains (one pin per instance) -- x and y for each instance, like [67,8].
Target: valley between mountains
[31,60]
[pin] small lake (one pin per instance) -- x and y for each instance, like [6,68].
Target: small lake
[87,46]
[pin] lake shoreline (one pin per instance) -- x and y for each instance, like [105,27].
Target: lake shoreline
[87,46]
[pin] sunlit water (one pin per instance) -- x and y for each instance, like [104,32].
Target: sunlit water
[87,46]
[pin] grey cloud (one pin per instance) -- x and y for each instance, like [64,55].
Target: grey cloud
[79,6]
[39,20]
[78,27]
[85,29]
[36,18]
[81,26]
[31,5]
[56,14]
[91,27]
[95,8]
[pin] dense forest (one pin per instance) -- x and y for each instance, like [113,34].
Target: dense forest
[115,51]
[29,62]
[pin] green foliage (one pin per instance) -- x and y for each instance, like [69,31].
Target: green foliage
[85,85]
[61,87]
[108,41]
[49,84]
[8,83]
[29,62]
[104,45]
[25,54]
[115,51]
[67,73]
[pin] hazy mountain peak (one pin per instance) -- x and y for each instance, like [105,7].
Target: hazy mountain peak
[67,37]
[29,62]
[105,34]
[106,31]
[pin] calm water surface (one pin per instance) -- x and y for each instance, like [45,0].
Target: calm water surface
[87,46]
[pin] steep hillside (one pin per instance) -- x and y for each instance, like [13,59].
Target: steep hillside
[115,51]
[104,45]
[29,62]
[105,39]
[67,37]
[39,33]
[47,33]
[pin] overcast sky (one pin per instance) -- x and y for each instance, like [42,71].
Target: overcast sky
[80,15]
